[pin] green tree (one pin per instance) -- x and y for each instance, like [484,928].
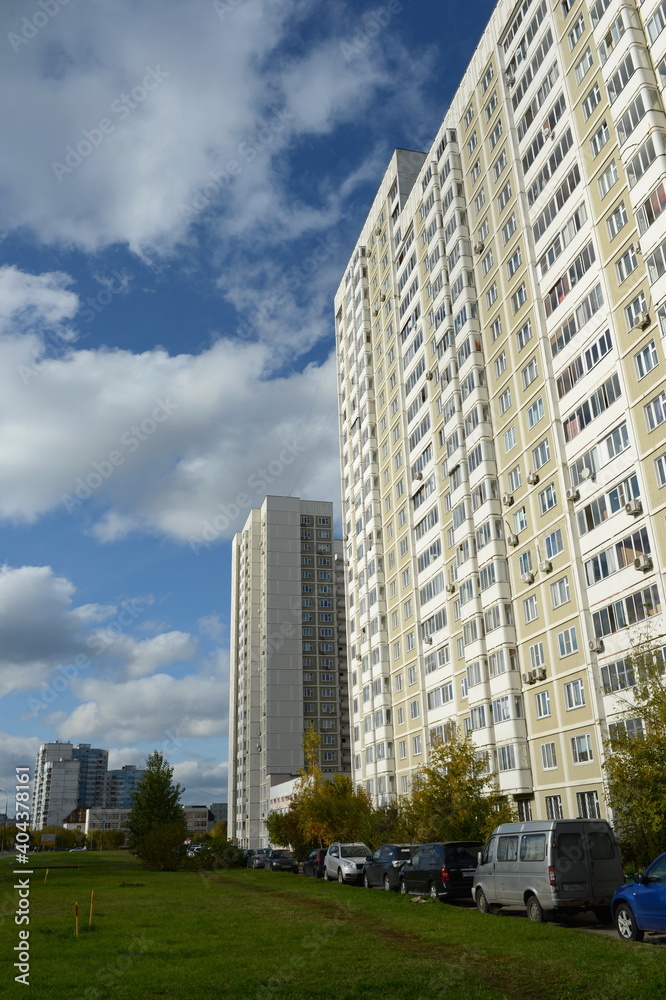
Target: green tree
[635,764]
[454,798]
[156,824]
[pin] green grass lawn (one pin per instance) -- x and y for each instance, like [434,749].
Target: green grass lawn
[260,935]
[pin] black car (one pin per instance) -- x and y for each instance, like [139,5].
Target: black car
[281,861]
[386,864]
[443,870]
[314,863]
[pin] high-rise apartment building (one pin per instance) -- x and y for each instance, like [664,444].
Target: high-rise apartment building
[288,655]
[502,383]
[93,763]
[56,788]
[121,785]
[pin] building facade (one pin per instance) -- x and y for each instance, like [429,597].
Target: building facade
[56,788]
[288,655]
[502,394]
[93,764]
[120,785]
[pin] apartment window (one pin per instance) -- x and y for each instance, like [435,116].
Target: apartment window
[514,479]
[574,694]
[627,263]
[495,135]
[559,592]
[554,544]
[519,298]
[409,642]
[600,138]
[646,360]
[530,609]
[588,805]
[519,520]
[616,221]
[524,335]
[576,32]
[506,758]
[581,749]
[529,373]
[469,115]
[402,749]
[491,295]
[535,412]
[547,499]
[554,807]
[608,178]
[416,745]
[660,466]
[411,677]
[542,701]
[567,642]
[472,143]
[499,164]
[500,364]
[510,439]
[509,228]
[583,65]
[480,200]
[655,411]
[514,263]
[635,311]
[548,756]
[541,454]
[591,101]
[505,401]
[487,262]
[476,171]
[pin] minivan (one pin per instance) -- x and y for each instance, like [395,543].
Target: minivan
[444,870]
[560,866]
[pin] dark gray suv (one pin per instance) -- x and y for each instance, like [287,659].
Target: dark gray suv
[443,871]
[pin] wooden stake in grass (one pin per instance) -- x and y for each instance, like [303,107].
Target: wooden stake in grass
[76,917]
[46,876]
[92,907]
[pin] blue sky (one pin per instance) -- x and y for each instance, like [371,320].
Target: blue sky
[182,184]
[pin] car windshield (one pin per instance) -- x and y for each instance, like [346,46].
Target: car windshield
[354,851]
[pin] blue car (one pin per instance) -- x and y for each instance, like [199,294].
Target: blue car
[640,906]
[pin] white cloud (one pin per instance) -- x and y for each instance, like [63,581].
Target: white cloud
[204,781]
[15,751]
[181,445]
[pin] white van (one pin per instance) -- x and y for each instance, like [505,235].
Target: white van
[559,866]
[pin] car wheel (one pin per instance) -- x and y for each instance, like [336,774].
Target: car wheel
[482,904]
[387,884]
[403,887]
[366,881]
[535,910]
[327,877]
[625,922]
[432,889]
[341,877]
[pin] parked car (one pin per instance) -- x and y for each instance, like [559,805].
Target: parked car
[257,858]
[247,853]
[443,870]
[640,905]
[314,863]
[385,865]
[552,866]
[344,862]
[281,861]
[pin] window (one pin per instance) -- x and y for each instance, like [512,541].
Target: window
[524,335]
[591,101]
[509,228]
[416,745]
[514,263]
[559,592]
[608,178]
[500,362]
[616,221]
[627,263]
[547,499]
[635,312]
[583,65]
[491,295]
[574,694]
[541,454]
[510,439]
[499,164]
[535,412]
[576,32]
[514,479]
[529,373]
[548,756]
[519,520]
[581,749]
[646,360]
[554,807]
[588,805]
[525,565]
[530,609]
[554,544]
[487,262]
[542,701]
[600,138]
[567,642]
[506,761]
[402,749]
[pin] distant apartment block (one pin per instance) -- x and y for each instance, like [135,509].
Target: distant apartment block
[502,383]
[288,655]
[56,788]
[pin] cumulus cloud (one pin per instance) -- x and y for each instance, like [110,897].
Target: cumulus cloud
[181,445]
[43,634]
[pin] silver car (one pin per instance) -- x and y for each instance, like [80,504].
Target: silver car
[345,862]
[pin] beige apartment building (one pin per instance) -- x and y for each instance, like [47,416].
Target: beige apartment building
[288,656]
[502,393]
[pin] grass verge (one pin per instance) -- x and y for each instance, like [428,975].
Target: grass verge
[260,935]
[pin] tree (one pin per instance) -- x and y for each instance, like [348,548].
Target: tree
[635,761]
[454,798]
[156,824]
